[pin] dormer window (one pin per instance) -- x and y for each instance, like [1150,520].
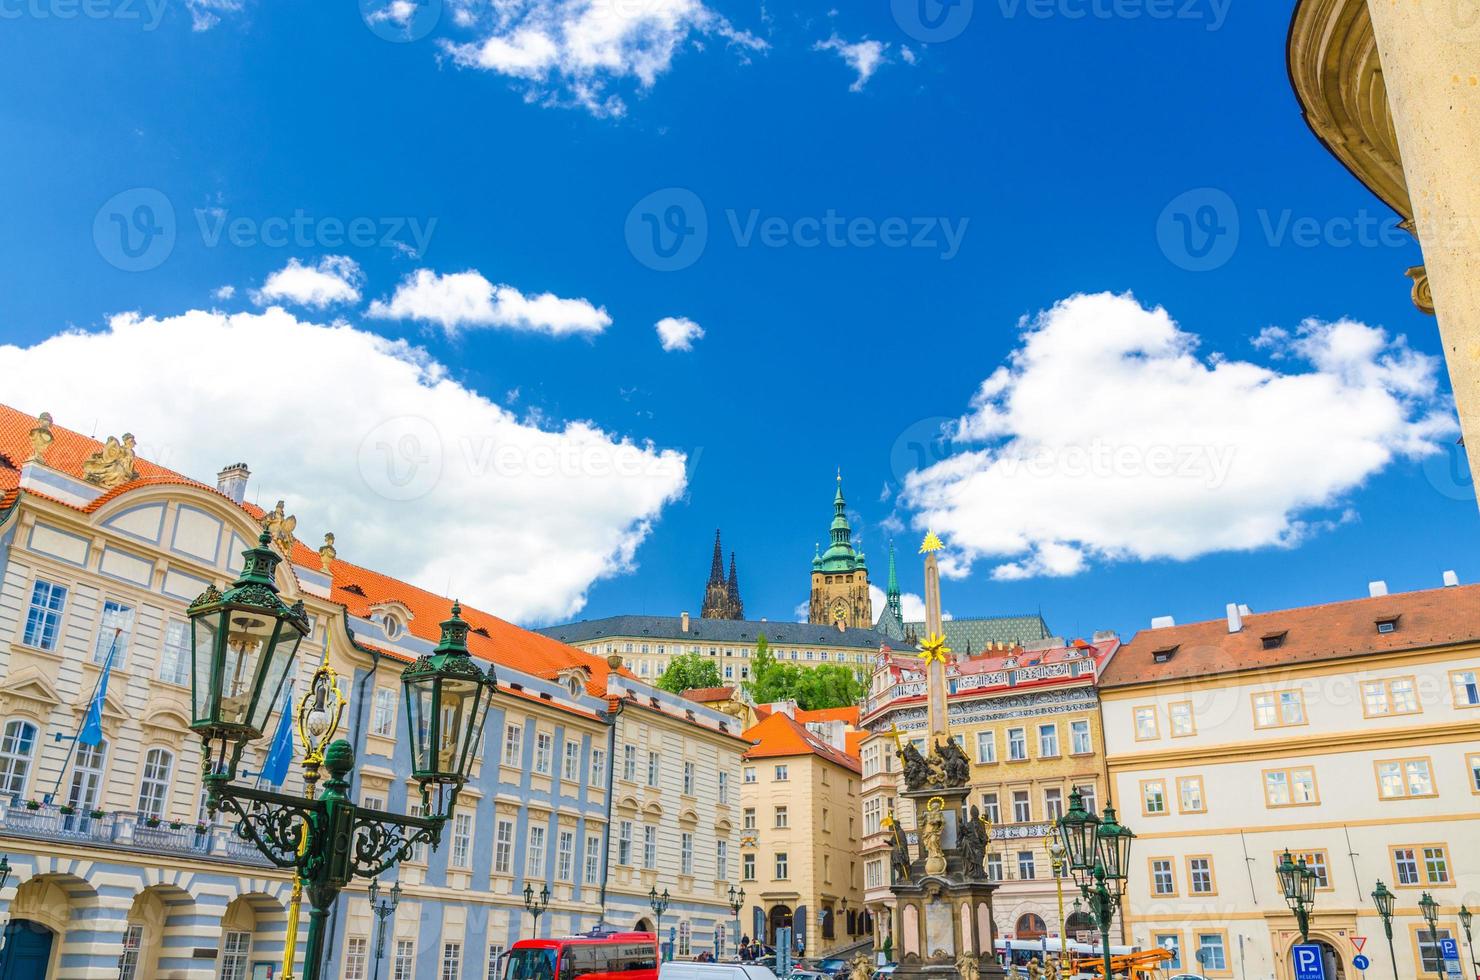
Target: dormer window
[391,626]
[1387,624]
[1164,654]
[1273,641]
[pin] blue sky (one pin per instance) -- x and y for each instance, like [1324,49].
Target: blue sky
[1041,150]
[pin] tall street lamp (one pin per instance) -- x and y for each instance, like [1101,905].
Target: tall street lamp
[383,911]
[1298,883]
[243,649]
[536,905]
[659,905]
[1060,859]
[1430,910]
[737,902]
[1098,850]
[1465,918]
[1384,899]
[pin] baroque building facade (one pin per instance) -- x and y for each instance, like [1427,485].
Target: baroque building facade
[118,870]
[1347,733]
[1028,719]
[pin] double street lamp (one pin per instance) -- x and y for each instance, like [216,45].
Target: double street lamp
[244,646]
[737,901]
[383,911]
[1298,882]
[535,905]
[659,905]
[1384,900]
[1098,851]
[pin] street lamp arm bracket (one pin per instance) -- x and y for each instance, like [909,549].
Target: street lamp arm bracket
[274,823]
[385,840]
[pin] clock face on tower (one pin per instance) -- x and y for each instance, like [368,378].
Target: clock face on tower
[840,610]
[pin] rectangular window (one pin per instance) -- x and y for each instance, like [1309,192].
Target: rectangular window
[1422,864]
[1473,763]
[1153,797]
[451,961]
[1315,861]
[404,967]
[593,859]
[1087,794]
[747,818]
[1026,870]
[650,847]
[114,629]
[1017,744]
[873,815]
[1163,877]
[1179,713]
[1190,794]
[1405,865]
[355,958]
[782,868]
[1212,952]
[1171,942]
[236,947]
[1146,729]
[783,774]
[544,747]
[565,856]
[1079,741]
[534,862]
[495,953]
[1200,876]
[688,779]
[1401,779]
[513,745]
[986,747]
[749,775]
[629,763]
[721,860]
[383,714]
[1279,709]
[174,655]
[462,839]
[724,789]
[1048,741]
[624,843]
[571,771]
[598,767]
[128,960]
[686,853]
[1466,685]
[747,867]
[1430,951]
[44,618]
[419,852]
[654,769]
[783,818]
[1390,696]
[1022,810]
[1053,803]
[1290,787]
[503,847]
[991,808]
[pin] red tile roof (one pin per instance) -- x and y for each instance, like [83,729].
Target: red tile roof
[780,736]
[847,715]
[706,695]
[1430,618]
[504,643]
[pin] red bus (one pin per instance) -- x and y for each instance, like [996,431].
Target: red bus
[596,955]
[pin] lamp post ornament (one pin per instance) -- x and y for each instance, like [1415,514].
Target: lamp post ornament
[1384,900]
[659,905]
[383,911]
[1430,910]
[737,901]
[1060,858]
[1098,852]
[1298,882]
[1465,918]
[536,905]
[244,644]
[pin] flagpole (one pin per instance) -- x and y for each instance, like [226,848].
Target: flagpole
[97,685]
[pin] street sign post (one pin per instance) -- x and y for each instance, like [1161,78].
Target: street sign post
[1361,962]
[1449,951]
[783,951]
[1359,942]
[1309,963]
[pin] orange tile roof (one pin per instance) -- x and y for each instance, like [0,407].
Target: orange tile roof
[854,741]
[499,641]
[705,695]
[780,736]
[1430,618]
[847,715]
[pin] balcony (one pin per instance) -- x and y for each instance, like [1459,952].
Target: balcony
[126,831]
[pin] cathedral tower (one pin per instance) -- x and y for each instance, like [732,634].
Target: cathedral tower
[721,596]
[840,576]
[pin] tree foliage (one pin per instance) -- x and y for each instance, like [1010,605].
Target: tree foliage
[688,671]
[812,688]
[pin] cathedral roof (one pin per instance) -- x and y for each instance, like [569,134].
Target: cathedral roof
[738,631]
[977,634]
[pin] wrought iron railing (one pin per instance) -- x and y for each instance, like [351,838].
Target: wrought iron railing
[125,831]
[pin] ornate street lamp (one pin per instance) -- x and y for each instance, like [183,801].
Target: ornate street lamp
[1384,899]
[1430,910]
[1098,850]
[1298,884]
[659,905]
[244,645]
[1060,860]
[535,905]
[1465,918]
[383,911]
[737,902]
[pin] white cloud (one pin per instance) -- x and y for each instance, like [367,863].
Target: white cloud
[911,606]
[575,51]
[467,299]
[398,12]
[678,333]
[224,292]
[336,279]
[206,14]
[1106,438]
[417,475]
[864,57]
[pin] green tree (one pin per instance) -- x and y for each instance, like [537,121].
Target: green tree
[688,671]
[825,686]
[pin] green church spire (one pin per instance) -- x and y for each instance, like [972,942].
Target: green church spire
[840,555]
[893,595]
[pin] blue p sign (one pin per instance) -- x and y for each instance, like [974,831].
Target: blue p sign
[1309,963]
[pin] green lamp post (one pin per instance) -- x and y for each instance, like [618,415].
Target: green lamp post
[1384,900]
[535,905]
[1465,918]
[1298,883]
[244,648]
[659,905]
[1098,853]
[1430,910]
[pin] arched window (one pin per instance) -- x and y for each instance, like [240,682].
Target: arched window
[16,746]
[154,786]
[1030,926]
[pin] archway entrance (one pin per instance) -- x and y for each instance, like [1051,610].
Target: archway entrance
[1335,967]
[1080,922]
[1029,926]
[27,950]
[780,919]
[643,925]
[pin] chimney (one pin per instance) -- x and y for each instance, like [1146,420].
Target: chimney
[1235,618]
[1162,622]
[1376,589]
[683,622]
[1450,580]
[232,481]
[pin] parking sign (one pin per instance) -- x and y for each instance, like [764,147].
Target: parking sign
[1309,963]
[1449,952]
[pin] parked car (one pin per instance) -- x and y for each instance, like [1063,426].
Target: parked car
[804,974]
[714,971]
[833,966]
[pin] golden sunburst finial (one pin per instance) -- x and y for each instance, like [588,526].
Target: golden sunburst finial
[931,543]
[934,648]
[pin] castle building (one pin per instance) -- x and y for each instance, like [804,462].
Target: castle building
[840,592]
[721,595]
[590,780]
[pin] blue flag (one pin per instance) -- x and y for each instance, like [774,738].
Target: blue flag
[280,755]
[92,724]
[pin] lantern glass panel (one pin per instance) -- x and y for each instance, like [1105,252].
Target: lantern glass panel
[421,697]
[1307,884]
[274,663]
[249,632]
[1288,873]
[1384,900]
[460,699]
[203,652]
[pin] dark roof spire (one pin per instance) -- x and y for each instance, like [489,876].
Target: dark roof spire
[717,563]
[733,590]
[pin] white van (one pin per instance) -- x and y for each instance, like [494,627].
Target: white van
[714,971]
